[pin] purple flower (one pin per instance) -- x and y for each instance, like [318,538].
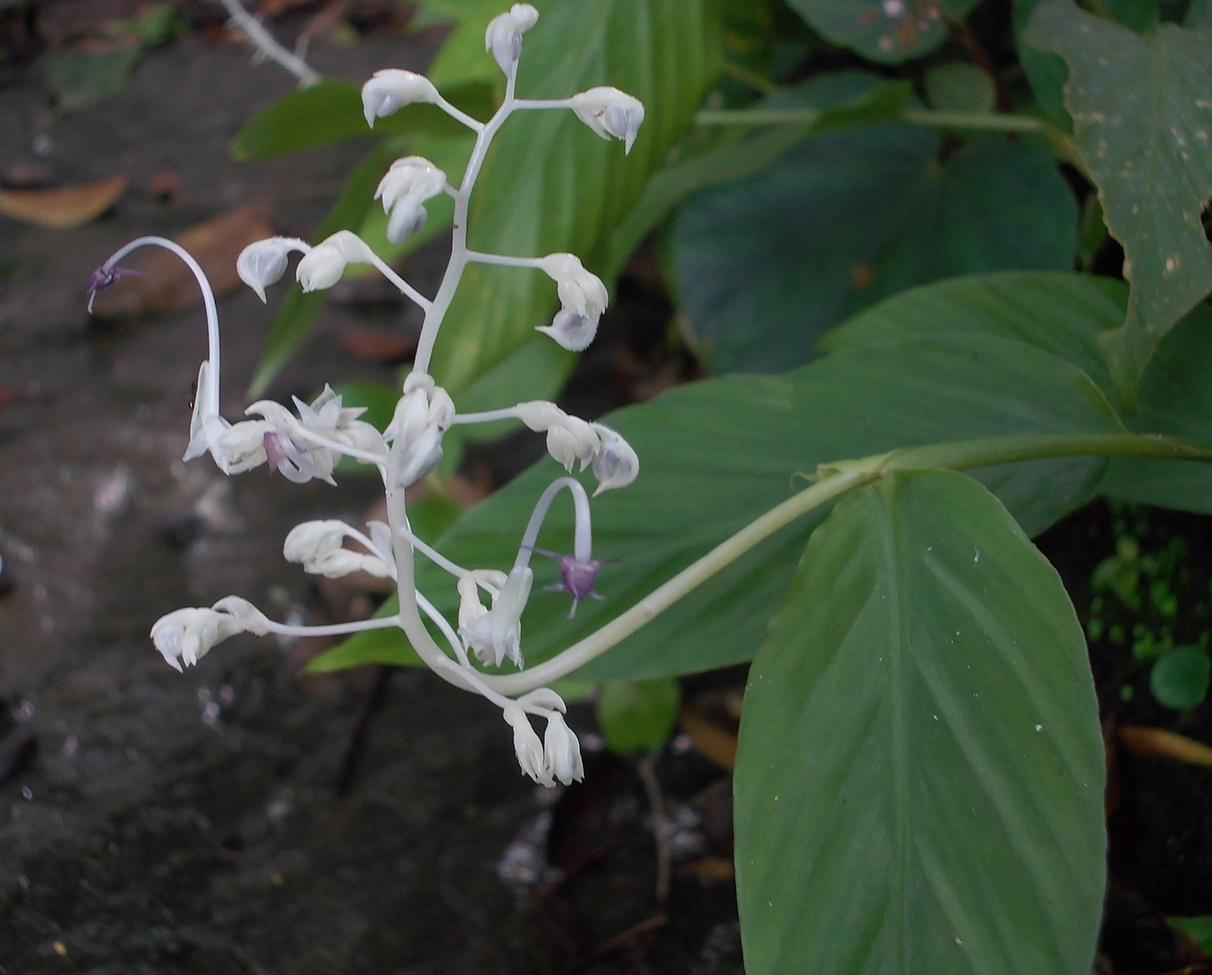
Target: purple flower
[103,277]
[576,577]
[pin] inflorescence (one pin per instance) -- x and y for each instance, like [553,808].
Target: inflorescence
[306,443]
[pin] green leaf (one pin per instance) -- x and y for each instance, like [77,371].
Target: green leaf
[1143,124]
[1137,15]
[727,159]
[919,782]
[1046,73]
[717,454]
[767,264]
[1179,678]
[83,78]
[549,183]
[1198,929]
[1199,15]
[960,86]
[888,32]
[638,716]
[331,111]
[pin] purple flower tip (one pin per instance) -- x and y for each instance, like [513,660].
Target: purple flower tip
[103,277]
[576,577]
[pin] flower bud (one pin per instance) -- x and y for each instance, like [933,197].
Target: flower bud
[498,633]
[610,112]
[562,751]
[185,636]
[615,465]
[324,264]
[504,34]
[409,183]
[392,89]
[583,298]
[263,262]
[526,745]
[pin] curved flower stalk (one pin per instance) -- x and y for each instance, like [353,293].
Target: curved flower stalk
[305,441]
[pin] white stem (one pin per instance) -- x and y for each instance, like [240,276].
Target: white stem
[582,548]
[487,416]
[334,629]
[268,47]
[319,440]
[208,300]
[443,624]
[405,288]
[504,260]
[533,103]
[431,553]
[459,116]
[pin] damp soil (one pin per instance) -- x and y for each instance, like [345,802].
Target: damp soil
[248,817]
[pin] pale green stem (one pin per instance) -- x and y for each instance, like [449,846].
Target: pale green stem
[978,121]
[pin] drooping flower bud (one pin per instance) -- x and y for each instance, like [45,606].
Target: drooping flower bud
[562,751]
[498,633]
[577,577]
[583,298]
[185,636]
[391,89]
[317,546]
[471,609]
[569,438]
[423,415]
[263,262]
[615,465]
[504,34]
[324,264]
[610,112]
[407,185]
[526,745]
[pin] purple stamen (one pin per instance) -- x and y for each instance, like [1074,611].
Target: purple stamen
[576,577]
[285,457]
[103,277]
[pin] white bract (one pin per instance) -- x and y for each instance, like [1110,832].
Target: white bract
[504,34]
[391,89]
[610,113]
[307,442]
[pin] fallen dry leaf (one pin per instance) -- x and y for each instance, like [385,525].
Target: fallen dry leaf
[165,284]
[1166,744]
[68,206]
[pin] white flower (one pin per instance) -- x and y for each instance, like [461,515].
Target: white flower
[615,465]
[471,609]
[562,751]
[526,745]
[583,298]
[498,633]
[610,112]
[324,264]
[290,444]
[392,89]
[206,411]
[569,438]
[409,183]
[423,415]
[504,34]
[263,262]
[187,635]
[317,545]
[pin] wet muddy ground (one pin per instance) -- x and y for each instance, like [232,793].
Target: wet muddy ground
[155,822]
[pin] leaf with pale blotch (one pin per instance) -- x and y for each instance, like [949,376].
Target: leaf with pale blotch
[919,784]
[888,31]
[1142,117]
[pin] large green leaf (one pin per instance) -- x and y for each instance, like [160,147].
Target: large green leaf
[1046,73]
[1142,120]
[549,183]
[331,111]
[919,784]
[715,455]
[766,264]
[1066,314]
[890,31]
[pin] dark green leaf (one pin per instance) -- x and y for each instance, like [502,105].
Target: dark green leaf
[1137,15]
[331,111]
[1179,678]
[767,264]
[83,78]
[960,86]
[637,716]
[724,160]
[1198,929]
[890,31]
[717,454]
[919,784]
[1143,123]
[1046,73]
[1199,15]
